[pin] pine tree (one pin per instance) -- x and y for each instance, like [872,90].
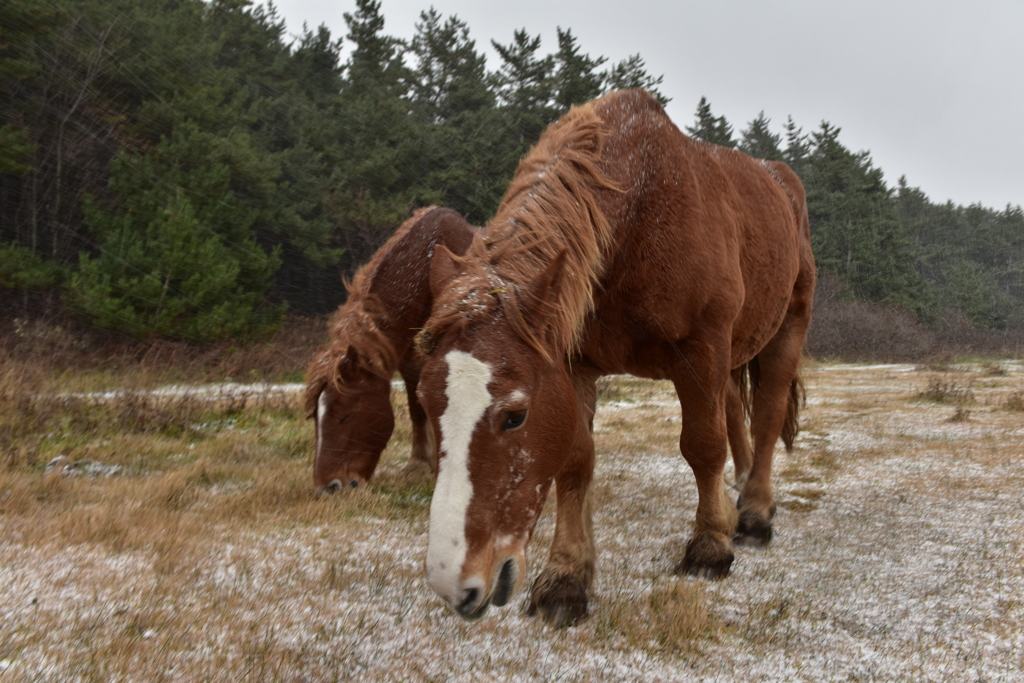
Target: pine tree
[379,153]
[798,147]
[464,139]
[314,64]
[711,128]
[631,73]
[758,141]
[376,64]
[248,38]
[450,77]
[576,79]
[855,230]
[525,87]
[177,253]
[21,22]
[972,257]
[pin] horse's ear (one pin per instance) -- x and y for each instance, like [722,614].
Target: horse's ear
[443,267]
[348,366]
[541,295]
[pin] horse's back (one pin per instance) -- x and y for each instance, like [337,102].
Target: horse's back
[708,239]
[403,262]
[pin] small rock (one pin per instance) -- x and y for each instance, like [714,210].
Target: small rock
[58,463]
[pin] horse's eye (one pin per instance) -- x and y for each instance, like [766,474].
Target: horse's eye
[513,420]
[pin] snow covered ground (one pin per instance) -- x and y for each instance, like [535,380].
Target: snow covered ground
[898,556]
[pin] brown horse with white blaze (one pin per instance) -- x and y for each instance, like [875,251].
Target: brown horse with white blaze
[348,383]
[621,246]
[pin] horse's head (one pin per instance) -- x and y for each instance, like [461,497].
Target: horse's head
[503,412]
[352,409]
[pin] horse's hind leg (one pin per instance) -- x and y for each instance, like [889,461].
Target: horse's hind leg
[560,592]
[775,402]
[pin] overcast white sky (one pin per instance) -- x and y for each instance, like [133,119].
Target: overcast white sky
[934,89]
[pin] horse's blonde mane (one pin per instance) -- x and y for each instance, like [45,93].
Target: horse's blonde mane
[357,325]
[550,208]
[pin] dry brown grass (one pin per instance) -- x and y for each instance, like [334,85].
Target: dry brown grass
[196,550]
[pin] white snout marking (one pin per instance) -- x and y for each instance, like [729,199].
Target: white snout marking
[468,398]
[321,413]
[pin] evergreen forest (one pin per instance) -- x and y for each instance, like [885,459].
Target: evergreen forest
[184,169]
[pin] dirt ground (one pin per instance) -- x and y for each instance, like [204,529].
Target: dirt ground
[898,554]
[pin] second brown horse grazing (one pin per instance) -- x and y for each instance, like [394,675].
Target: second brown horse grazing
[621,246]
[348,384]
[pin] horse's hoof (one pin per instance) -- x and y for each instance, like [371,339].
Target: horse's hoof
[560,599]
[752,531]
[705,559]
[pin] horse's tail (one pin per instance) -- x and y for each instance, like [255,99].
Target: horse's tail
[748,380]
[797,397]
[741,376]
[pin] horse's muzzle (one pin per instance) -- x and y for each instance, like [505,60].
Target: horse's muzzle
[471,602]
[336,486]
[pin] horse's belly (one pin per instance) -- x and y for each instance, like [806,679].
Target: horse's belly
[749,337]
[761,317]
[770,268]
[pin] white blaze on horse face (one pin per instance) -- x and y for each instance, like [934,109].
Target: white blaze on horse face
[321,413]
[468,398]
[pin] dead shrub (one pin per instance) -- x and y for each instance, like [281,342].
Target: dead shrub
[961,414]
[958,337]
[1015,401]
[950,393]
[942,391]
[63,345]
[767,622]
[112,524]
[178,490]
[171,546]
[336,577]
[862,331]
[842,328]
[676,619]
[680,616]
[991,368]
[43,339]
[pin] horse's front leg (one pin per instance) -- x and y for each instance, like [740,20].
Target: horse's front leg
[559,594]
[702,388]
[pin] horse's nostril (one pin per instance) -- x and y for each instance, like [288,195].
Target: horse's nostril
[505,584]
[353,484]
[333,487]
[467,603]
